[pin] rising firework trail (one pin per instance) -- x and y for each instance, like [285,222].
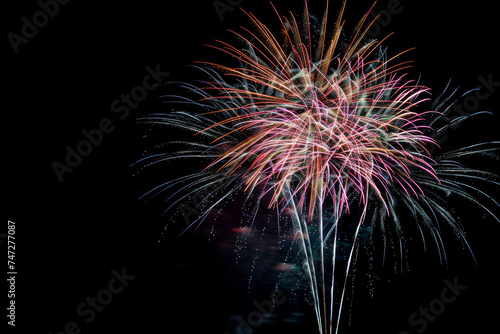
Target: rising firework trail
[330,133]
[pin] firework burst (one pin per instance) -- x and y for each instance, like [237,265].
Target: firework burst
[316,132]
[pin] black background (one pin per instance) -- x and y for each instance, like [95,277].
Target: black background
[71,234]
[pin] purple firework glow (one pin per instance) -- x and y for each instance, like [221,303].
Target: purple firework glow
[315,128]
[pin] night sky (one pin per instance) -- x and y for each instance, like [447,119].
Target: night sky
[84,233]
